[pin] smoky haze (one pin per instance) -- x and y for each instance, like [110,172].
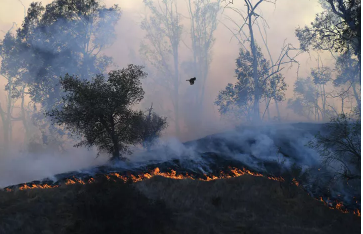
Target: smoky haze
[282,18]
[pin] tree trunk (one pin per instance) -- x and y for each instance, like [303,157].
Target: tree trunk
[356,95]
[256,105]
[116,151]
[176,87]
[278,111]
[23,117]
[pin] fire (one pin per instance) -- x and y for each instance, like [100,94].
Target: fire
[238,172]
[35,186]
[295,182]
[357,213]
[75,181]
[233,172]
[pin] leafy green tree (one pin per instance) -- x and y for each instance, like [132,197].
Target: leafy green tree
[101,111]
[239,99]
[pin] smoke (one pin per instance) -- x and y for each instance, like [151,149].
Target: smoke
[19,167]
[265,149]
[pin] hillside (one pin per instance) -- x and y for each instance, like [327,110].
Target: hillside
[246,204]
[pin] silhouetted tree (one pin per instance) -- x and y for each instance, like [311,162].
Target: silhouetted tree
[321,76]
[100,110]
[153,125]
[337,28]
[348,74]
[339,144]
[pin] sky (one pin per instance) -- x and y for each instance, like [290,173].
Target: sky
[283,18]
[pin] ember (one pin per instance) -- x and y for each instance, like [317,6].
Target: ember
[233,172]
[295,182]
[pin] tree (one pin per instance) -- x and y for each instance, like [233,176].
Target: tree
[339,144]
[240,98]
[100,110]
[203,18]
[321,76]
[306,99]
[15,88]
[348,74]
[336,29]
[163,32]
[153,125]
[66,36]
[250,19]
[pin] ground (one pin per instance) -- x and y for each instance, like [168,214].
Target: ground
[247,204]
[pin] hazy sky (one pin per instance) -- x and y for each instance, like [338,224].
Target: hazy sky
[283,18]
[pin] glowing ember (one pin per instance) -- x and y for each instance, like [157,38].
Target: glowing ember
[357,212]
[295,182]
[74,181]
[36,186]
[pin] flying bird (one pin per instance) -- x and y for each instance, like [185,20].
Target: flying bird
[191,80]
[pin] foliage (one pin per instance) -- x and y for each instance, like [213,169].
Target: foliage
[100,110]
[239,98]
[305,103]
[339,144]
[64,37]
[336,28]
[153,125]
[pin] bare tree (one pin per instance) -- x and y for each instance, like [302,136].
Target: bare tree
[203,18]
[250,19]
[163,35]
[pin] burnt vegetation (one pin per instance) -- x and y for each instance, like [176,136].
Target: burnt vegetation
[236,205]
[62,87]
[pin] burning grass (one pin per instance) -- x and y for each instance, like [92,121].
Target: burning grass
[99,207]
[247,204]
[231,173]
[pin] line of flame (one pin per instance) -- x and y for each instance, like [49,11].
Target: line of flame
[236,172]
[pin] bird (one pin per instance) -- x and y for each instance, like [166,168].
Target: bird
[191,80]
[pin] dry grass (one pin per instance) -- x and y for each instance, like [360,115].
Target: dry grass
[102,207]
[246,204]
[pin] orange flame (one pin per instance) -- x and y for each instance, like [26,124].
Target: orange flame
[36,186]
[295,182]
[173,175]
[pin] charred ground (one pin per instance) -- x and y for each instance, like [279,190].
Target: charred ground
[246,204]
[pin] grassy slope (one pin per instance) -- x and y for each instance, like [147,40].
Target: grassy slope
[240,205]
